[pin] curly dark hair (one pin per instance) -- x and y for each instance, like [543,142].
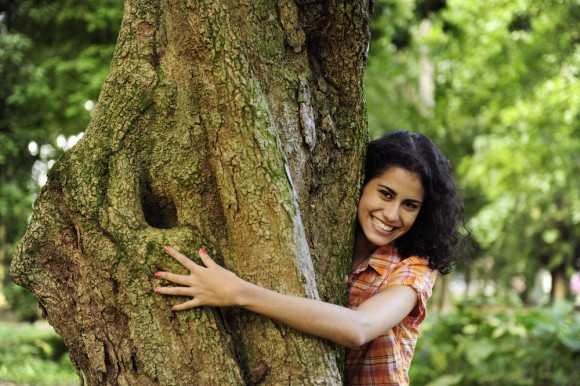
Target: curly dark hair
[436,231]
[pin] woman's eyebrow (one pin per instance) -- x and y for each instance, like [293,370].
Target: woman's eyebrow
[391,190]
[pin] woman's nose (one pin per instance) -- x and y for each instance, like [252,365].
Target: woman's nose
[391,212]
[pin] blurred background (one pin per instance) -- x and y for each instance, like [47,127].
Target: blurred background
[495,84]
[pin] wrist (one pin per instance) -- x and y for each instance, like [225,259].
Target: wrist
[239,291]
[247,295]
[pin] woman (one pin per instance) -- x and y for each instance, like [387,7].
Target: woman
[408,217]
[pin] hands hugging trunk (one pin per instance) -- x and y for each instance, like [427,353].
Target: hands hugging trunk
[209,285]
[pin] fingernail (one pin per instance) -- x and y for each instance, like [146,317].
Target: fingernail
[202,250]
[173,309]
[157,290]
[158,275]
[166,248]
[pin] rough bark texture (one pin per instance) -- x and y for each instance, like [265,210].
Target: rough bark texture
[238,126]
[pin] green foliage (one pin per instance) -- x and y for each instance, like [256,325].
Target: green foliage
[499,345]
[70,44]
[392,74]
[505,109]
[32,355]
[522,120]
[23,306]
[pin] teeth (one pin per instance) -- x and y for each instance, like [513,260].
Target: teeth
[380,224]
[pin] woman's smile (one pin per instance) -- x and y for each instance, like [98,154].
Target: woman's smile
[381,225]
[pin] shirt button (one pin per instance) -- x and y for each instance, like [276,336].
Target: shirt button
[420,278]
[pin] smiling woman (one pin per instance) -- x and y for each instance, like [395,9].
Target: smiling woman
[408,218]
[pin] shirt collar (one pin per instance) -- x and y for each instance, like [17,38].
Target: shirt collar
[380,259]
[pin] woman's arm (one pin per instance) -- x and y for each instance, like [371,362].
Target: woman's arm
[214,285]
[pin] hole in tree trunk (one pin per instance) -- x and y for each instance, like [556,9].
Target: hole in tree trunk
[159,211]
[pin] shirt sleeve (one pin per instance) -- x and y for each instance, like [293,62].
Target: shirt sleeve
[415,273]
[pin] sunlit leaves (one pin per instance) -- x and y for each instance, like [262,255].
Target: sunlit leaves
[392,74]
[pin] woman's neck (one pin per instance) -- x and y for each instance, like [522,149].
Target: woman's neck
[362,250]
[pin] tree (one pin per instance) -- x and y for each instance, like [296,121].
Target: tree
[237,126]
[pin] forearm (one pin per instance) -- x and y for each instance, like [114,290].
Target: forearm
[314,317]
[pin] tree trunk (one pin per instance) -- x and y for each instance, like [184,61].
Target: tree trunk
[441,299]
[238,126]
[560,283]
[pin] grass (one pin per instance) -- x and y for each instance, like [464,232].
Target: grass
[33,354]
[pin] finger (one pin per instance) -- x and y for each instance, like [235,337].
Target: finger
[205,258]
[174,278]
[181,258]
[186,306]
[174,291]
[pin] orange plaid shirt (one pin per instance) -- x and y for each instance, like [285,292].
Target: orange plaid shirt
[386,359]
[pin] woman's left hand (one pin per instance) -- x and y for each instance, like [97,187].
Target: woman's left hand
[211,285]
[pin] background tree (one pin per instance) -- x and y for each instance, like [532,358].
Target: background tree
[240,127]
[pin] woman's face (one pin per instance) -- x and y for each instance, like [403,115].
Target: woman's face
[389,205]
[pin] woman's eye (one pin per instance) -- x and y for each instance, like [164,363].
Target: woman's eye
[385,193]
[411,205]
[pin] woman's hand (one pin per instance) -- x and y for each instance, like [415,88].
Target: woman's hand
[211,285]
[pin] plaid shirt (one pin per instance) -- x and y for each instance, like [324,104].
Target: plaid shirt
[386,359]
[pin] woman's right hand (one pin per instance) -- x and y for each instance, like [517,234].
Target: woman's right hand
[209,285]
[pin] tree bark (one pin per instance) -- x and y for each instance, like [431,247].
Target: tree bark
[238,126]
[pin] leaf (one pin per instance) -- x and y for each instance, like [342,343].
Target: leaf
[446,380]
[550,236]
[571,343]
[478,351]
